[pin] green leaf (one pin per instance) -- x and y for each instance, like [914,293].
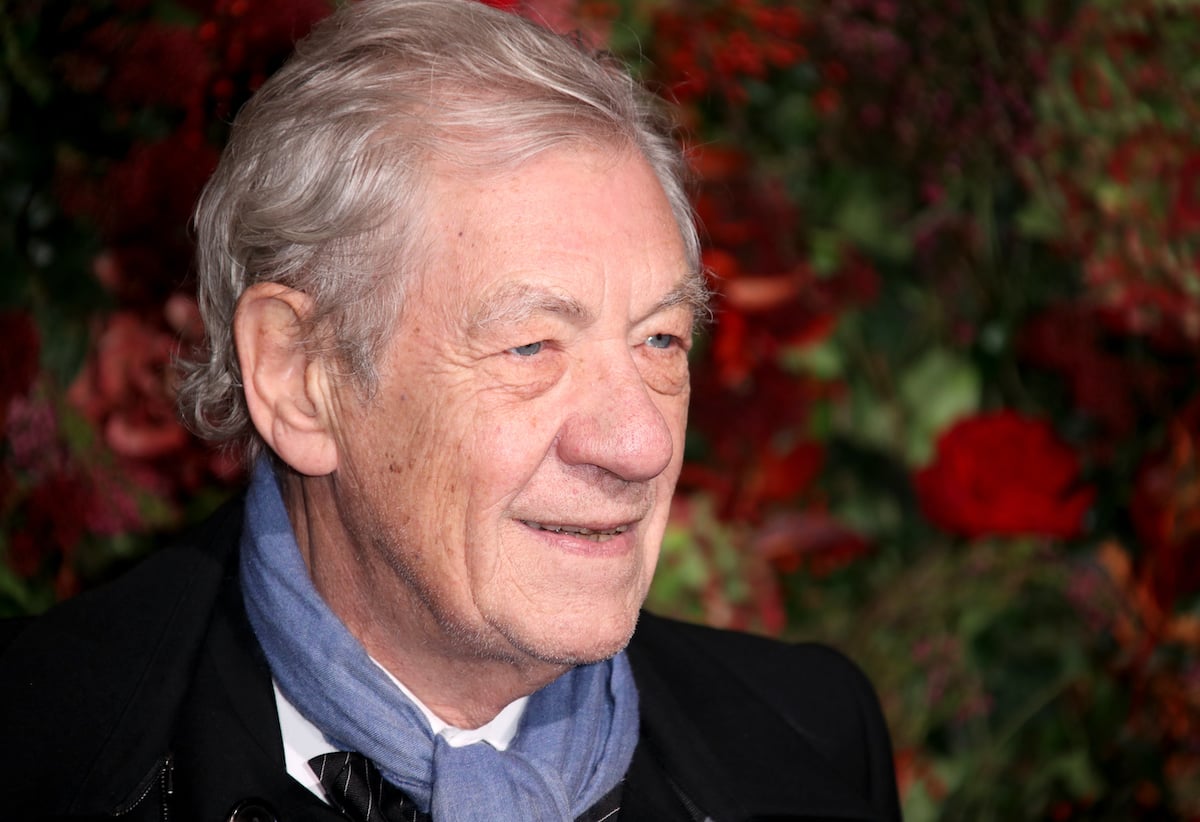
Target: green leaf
[941,387]
[824,360]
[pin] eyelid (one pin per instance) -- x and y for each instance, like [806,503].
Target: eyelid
[683,342]
[515,350]
[676,321]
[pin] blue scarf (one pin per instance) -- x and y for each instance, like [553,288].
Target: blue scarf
[574,744]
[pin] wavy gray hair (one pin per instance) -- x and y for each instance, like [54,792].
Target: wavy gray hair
[320,186]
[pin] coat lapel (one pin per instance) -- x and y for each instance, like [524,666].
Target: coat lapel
[227,744]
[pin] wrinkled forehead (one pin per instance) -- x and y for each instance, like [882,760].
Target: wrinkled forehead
[474,170]
[570,225]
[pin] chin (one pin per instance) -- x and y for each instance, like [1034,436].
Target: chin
[576,642]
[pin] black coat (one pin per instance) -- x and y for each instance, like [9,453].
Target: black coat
[150,698]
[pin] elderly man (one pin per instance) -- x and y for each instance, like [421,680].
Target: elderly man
[449,276]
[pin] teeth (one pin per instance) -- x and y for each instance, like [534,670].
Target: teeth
[598,536]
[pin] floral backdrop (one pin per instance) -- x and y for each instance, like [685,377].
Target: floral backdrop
[948,416]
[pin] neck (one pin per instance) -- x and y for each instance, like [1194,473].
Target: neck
[464,675]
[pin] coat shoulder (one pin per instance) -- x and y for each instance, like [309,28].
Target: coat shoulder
[798,679]
[75,680]
[765,654]
[769,705]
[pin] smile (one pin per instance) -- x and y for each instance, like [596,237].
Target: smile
[578,531]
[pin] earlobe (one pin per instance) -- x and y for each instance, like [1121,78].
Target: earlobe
[286,391]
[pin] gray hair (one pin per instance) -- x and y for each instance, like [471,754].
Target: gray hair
[320,186]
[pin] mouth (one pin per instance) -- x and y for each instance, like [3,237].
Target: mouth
[595,535]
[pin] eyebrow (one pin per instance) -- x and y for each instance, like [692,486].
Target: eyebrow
[693,292]
[517,302]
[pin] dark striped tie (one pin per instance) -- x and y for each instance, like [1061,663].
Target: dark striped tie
[356,787]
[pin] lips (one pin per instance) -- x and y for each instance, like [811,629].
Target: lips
[594,534]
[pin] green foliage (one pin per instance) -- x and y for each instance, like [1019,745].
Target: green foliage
[958,211]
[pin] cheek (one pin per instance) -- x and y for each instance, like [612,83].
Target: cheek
[515,431]
[407,447]
[674,408]
[501,449]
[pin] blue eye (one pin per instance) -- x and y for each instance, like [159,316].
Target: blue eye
[660,340]
[527,350]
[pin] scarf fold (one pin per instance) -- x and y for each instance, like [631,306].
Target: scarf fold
[575,740]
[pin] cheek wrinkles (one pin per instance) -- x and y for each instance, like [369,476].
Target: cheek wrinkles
[664,372]
[507,374]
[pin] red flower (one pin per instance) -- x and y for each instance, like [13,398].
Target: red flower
[155,65]
[1002,473]
[47,533]
[126,392]
[1071,340]
[1165,508]
[810,539]
[20,367]
[155,185]
[1185,210]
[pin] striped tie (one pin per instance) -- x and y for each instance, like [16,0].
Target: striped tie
[356,787]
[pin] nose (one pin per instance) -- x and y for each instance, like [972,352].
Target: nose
[615,424]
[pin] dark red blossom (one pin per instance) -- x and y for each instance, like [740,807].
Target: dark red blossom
[744,469]
[48,532]
[1071,340]
[264,30]
[713,49]
[763,316]
[126,392]
[159,65]
[781,476]
[1185,210]
[1004,474]
[60,511]
[157,183]
[1165,509]
[20,367]
[811,540]
[142,206]
[249,40]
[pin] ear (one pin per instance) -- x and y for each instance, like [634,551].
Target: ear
[288,395]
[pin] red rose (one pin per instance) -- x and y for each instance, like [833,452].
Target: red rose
[1002,473]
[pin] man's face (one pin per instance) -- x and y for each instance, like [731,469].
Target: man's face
[512,477]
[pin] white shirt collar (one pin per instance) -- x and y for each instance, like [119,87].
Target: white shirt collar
[499,732]
[302,740]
